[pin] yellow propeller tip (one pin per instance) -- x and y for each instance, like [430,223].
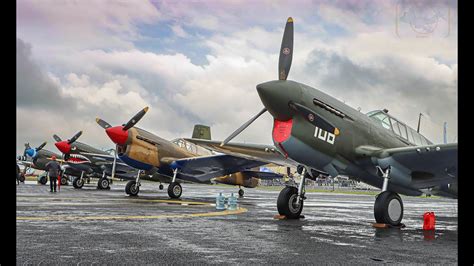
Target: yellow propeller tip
[290,19]
[146,109]
[336,131]
[97,119]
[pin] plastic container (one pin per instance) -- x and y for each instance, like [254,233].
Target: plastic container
[220,202]
[232,202]
[429,221]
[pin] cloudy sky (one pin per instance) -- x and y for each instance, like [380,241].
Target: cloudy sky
[199,62]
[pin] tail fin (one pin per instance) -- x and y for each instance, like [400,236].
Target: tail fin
[201,132]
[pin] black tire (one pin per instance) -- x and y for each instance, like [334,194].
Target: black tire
[64,181]
[103,183]
[132,189]
[388,208]
[43,180]
[78,182]
[161,186]
[22,178]
[286,203]
[175,190]
[241,192]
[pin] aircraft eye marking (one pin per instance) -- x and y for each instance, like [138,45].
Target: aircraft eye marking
[286,51]
[324,135]
[311,117]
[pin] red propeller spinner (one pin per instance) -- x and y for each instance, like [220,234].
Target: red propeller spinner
[117,134]
[63,146]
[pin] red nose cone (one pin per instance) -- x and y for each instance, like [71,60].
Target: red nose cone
[117,134]
[63,146]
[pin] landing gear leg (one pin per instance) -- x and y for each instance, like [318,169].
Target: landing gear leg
[290,201]
[388,207]
[133,187]
[78,182]
[174,189]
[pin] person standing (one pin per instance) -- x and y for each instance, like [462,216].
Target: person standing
[53,169]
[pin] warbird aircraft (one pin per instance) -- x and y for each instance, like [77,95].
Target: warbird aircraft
[176,160]
[77,155]
[38,157]
[327,137]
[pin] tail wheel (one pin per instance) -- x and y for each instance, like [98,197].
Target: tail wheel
[287,205]
[78,182]
[175,190]
[103,183]
[241,192]
[22,178]
[161,187]
[132,188]
[63,181]
[388,208]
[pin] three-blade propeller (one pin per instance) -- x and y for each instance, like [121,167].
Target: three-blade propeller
[132,122]
[284,65]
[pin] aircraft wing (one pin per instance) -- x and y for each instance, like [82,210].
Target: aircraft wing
[202,169]
[258,152]
[427,166]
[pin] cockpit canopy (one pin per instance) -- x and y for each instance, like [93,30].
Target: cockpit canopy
[399,128]
[191,147]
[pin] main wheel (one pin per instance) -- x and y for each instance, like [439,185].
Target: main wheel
[175,190]
[64,181]
[241,192]
[388,208]
[103,183]
[286,203]
[43,180]
[78,182]
[132,188]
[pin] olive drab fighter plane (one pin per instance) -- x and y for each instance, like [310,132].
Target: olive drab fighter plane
[38,157]
[176,160]
[77,156]
[329,138]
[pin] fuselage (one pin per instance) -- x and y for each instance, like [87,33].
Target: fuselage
[332,153]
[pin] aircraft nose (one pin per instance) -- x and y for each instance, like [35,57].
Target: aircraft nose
[117,134]
[63,146]
[276,95]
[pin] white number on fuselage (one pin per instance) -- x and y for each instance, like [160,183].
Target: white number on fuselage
[324,135]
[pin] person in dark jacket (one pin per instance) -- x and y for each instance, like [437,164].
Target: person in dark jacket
[17,174]
[53,169]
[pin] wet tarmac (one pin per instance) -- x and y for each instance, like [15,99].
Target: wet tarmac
[90,226]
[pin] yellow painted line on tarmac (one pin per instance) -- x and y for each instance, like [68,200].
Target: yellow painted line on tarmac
[129,217]
[85,200]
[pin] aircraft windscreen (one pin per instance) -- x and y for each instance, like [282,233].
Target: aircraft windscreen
[191,147]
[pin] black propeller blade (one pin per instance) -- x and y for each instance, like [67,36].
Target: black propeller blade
[314,118]
[57,138]
[41,146]
[135,119]
[102,123]
[244,126]
[75,137]
[286,51]
[284,65]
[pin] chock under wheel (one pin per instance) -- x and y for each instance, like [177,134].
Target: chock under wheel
[380,225]
[283,217]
